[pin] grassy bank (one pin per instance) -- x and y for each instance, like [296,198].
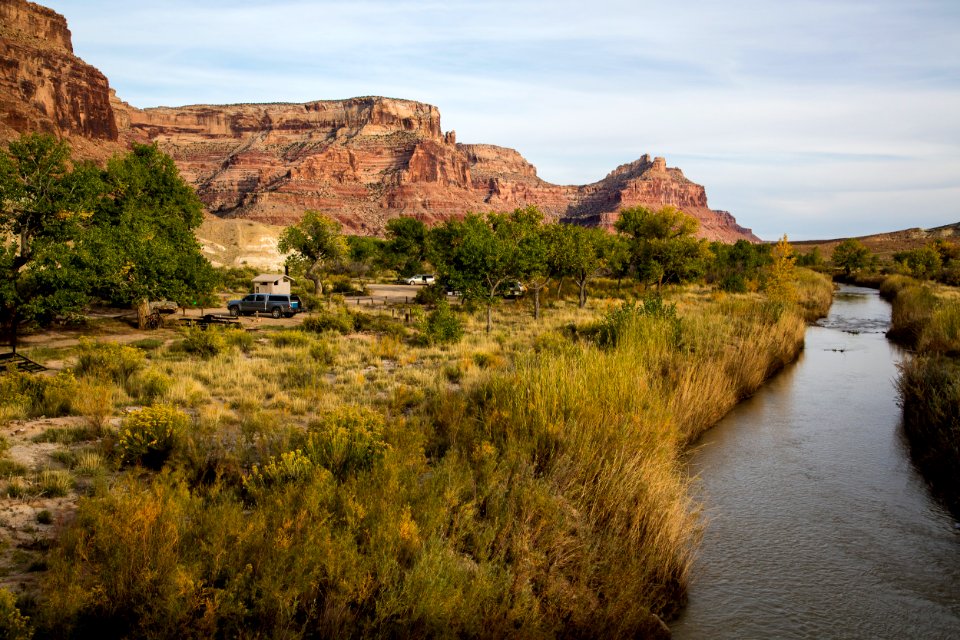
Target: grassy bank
[926,317]
[364,481]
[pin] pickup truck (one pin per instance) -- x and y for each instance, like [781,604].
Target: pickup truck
[275,304]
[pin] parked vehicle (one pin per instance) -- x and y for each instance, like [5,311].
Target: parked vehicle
[513,289]
[275,304]
[422,278]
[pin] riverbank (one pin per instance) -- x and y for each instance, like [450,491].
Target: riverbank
[373,482]
[926,318]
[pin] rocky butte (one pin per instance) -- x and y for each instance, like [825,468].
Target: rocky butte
[362,160]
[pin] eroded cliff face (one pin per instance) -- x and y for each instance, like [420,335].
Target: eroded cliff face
[44,87]
[363,160]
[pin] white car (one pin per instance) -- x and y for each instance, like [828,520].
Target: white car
[420,279]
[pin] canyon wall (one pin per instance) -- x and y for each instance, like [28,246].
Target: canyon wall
[362,160]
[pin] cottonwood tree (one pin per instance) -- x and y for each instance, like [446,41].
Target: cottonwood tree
[476,256]
[662,244]
[850,255]
[141,243]
[44,206]
[314,243]
[532,239]
[405,249]
[576,252]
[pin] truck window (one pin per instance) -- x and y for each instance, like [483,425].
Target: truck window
[278,298]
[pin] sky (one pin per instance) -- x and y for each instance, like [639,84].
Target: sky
[817,119]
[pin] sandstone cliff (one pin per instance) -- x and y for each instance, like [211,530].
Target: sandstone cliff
[44,87]
[363,160]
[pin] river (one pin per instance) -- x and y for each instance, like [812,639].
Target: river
[816,523]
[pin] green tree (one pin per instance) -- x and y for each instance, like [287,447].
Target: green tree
[44,206]
[577,252]
[476,256]
[531,238]
[313,243]
[141,243]
[662,244]
[923,263]
[851,256]
[361,257]
[405,250]
[616,258]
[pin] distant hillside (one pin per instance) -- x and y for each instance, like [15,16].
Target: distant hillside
[885,244]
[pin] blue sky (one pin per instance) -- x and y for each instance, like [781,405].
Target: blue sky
[811,118]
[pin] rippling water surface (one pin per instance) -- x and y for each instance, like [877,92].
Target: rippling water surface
[817,525]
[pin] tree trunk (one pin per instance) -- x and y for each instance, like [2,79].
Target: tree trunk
[559,289]
[583,292]
[536,304]
[143,310]
[489,315]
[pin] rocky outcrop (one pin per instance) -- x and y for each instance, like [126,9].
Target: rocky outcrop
[44,87]
[362,160]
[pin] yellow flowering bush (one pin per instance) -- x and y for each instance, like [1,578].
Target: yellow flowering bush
[347,440]
[149,435]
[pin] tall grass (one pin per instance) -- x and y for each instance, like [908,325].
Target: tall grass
[928,319]
[541,495]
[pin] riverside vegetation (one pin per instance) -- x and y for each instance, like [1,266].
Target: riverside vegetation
[926,317]
[526,481]
[365,476]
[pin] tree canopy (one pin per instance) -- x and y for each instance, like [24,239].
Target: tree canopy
[70,233]
[662,244]
[313,243]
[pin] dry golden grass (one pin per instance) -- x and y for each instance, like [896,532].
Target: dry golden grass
[518,482]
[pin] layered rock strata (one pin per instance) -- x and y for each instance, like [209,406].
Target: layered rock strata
[362,160]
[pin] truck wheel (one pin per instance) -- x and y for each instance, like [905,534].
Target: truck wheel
[235,311]
[276,313]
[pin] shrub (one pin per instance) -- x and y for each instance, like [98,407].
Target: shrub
[44,517]
[149,385]
[733,283]
[94,401]
[340,322]
[239,338]
[612,328]
[116,362]
[149,436]
[913,307]
[346,441]
[205,343]
[442,325]
[323,352]
[343,285]
[291,466]
[941,333]
[38,395]
[13,624]
[379,323]
[430,294]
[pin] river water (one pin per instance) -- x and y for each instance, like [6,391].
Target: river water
[816,523]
